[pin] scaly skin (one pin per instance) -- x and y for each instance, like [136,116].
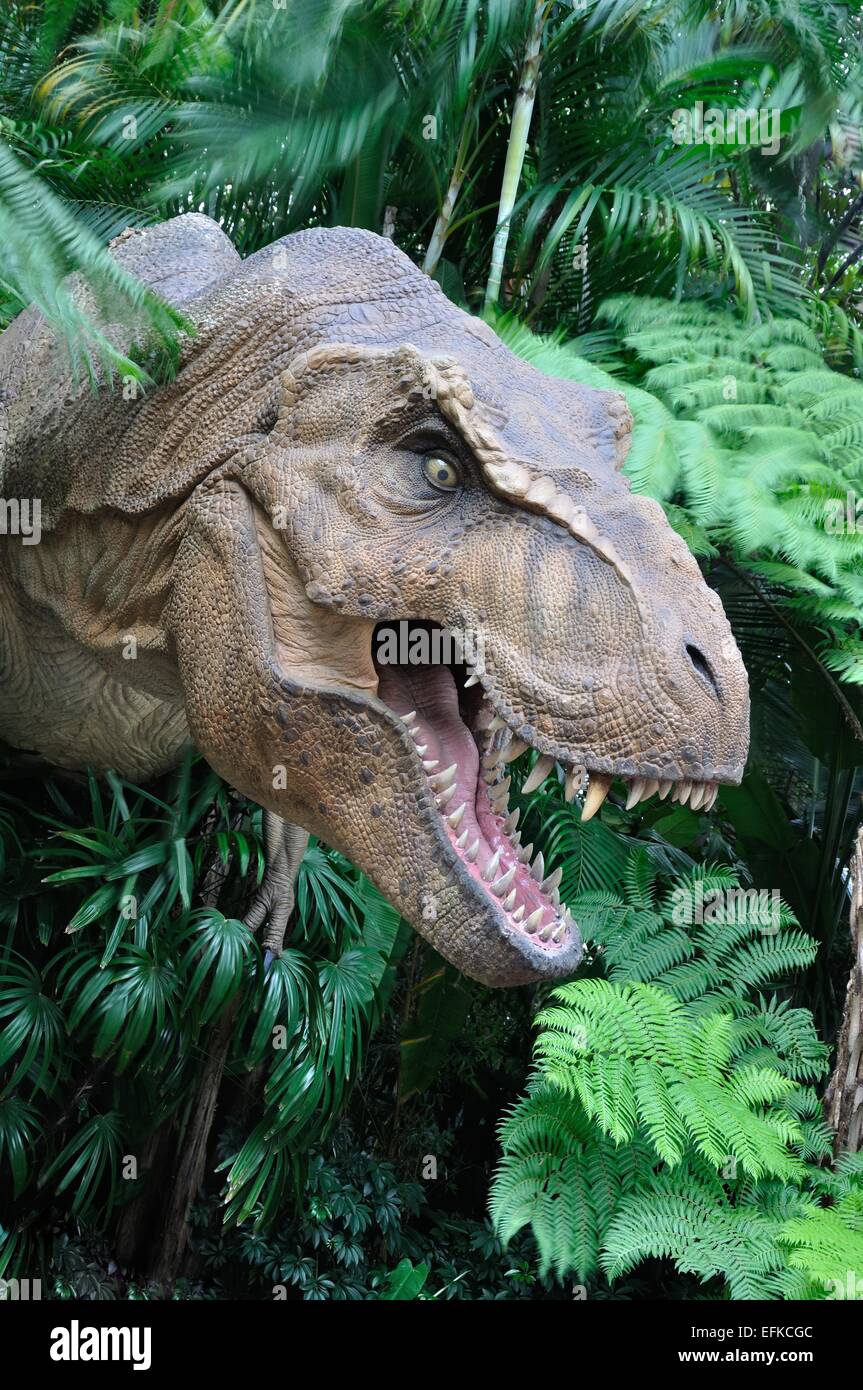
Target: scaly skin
[216,554]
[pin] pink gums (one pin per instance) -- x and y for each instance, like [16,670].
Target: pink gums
[439,731]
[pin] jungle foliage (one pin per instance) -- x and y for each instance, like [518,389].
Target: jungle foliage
[653,1127]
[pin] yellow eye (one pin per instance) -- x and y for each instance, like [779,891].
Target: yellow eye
[441,472]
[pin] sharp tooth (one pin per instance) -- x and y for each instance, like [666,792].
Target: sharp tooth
[455,819]
[699,792]
[490,776]
[491,867]
[519,913]
[709,803]
[574,779]
[462,839]
[664,789]
[534,920]
[408,718]
[560,934]
[414,731]
[497,723]
[515,840]
[430,765]
[491,759]
[555,897]
[422,748]
[509,904]
[553,881]
[471,854]
[540,771]
[500,887]
[443,779]
[636,791]
[683,791]
[526,853]
[545,934]
[471,680]
[511,821]
[650,789]
[447,795]
[596,794]
[514,749]
[500,792]
[537,869]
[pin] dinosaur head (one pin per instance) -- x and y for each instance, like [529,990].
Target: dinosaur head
[402,500]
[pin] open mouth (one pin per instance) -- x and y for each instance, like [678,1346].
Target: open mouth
[463,747]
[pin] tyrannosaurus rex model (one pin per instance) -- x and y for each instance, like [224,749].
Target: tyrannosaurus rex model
[343,448]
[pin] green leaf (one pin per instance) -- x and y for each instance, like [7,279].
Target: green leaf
[405,1281]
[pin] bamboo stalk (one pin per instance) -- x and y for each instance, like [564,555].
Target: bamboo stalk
[442,224]
[522,115]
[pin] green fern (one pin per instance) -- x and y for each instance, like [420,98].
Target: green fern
[687,1217]
[686,1092]
[563,1179]
[638,1059]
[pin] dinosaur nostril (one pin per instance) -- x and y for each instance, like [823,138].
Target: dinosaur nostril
[702,666]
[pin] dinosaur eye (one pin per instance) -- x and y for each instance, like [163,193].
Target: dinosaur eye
[441,472]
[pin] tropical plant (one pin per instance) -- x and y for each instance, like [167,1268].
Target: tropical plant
[671,1112]
[274,117]
[109,1003]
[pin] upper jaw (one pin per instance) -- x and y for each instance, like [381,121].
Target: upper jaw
[688,765]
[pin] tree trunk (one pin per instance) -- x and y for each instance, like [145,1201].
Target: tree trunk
[844,1098]
[194,1138]
[190,1174]
[139,1220]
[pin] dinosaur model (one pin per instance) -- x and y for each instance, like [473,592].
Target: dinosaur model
[343,449]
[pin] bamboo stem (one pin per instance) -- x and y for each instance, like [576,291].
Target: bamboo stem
[522,115]
[442,223]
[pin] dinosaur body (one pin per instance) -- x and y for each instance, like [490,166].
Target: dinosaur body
[343,448]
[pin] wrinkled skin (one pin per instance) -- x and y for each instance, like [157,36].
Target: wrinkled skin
[342,447]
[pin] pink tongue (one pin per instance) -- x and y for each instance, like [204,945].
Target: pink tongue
[431,692]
